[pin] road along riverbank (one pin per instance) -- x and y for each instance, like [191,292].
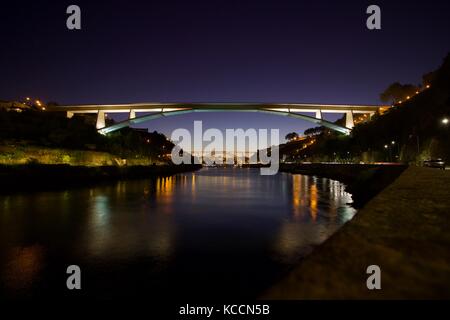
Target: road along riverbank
[405,230]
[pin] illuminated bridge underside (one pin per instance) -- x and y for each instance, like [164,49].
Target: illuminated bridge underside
[158,110]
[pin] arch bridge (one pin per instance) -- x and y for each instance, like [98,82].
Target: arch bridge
[141,112]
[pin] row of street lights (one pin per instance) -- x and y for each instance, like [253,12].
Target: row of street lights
[445,121]
[387,146]
[417,92]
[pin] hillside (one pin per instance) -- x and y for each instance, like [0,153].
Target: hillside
[411,131]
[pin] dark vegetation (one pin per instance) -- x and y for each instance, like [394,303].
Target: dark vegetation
[55,177]
[55,130]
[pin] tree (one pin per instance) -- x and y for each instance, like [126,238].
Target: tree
[314,131]
[291,136]
[398,92]
[428,78]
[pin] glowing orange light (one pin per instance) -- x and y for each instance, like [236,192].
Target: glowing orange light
[428,86]
[313,202]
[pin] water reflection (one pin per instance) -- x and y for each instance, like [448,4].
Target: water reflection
[118,220]
[199,226]
[23,267]
[313,201]
[316,214]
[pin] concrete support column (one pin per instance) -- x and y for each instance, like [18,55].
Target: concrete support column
[319,114]
[132,114]
[100,119]
[349,123]
[69,114]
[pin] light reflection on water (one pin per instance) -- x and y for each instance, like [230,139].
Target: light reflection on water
[318,209]
[230,228]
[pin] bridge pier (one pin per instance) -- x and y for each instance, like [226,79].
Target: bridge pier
[319,114]
[349,123]
[100,120]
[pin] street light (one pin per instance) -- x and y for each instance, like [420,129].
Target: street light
[392,142]
[445,121]
[386,146]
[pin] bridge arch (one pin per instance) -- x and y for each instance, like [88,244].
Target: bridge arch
[156,115]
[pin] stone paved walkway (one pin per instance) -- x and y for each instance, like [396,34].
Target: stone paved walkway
[405,230]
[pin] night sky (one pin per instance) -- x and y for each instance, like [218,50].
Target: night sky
[217,51]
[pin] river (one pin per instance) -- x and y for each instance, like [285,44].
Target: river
[214,233]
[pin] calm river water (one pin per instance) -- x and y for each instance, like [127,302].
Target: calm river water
[214,233]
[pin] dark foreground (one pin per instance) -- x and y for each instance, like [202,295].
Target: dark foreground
[39,177]
[405,230]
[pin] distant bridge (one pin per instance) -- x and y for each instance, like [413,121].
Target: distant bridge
[157,110]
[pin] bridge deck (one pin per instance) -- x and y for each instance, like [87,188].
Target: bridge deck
[143,107]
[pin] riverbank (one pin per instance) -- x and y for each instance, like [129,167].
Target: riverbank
[363,181]
[46,177]
[21,153]
[405,230]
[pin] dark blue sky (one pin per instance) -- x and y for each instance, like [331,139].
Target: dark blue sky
[218,51]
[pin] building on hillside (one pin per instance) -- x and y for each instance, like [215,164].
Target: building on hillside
[13,106]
